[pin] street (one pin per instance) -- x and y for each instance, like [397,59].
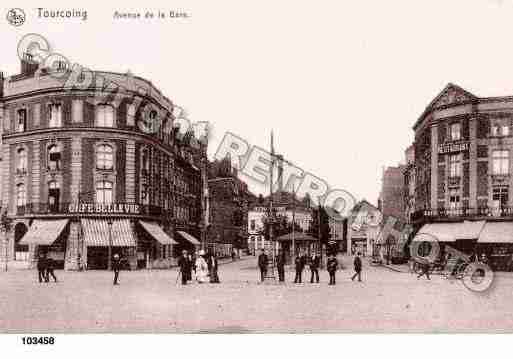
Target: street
[151,302]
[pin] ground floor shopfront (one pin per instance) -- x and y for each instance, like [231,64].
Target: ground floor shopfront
[493,239]
[88,242]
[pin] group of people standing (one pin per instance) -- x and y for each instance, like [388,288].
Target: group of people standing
[45,268]
[301,261]
[204,266]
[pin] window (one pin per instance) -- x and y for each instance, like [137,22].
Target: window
[145,198]
[494,130]
[145,163]
[22,161]
[104,157]
[455,132]
[500,162]
[53,196]
[500,197]
[252,225]
[454,166]
[454,198]
[104,192]
[22,120]
[55,115]
[505,130]
[21,195]
[105,116]
[54,158]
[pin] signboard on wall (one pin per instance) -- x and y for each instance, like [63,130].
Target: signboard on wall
[103,208]
[452,147]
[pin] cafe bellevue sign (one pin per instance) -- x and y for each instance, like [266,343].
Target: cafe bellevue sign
[452,147]
[103,208]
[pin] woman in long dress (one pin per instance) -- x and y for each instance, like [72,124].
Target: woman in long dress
[201,268]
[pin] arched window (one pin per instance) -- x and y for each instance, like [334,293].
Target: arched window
[54,158]
[21,195]
[104,192]
[22,161]
[104,116]
[104,157]
[53,196]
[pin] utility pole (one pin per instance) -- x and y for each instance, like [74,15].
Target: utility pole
[293,222]
[109,263]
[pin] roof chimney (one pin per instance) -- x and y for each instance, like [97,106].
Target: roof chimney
[28,65]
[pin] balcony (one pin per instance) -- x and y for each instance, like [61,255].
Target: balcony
[441,214]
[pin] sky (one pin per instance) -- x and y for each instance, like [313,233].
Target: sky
[340,83]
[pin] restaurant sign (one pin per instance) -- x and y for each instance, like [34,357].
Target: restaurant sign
[103,208]
[453,147]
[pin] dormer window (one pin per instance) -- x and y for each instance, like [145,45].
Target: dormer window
[22,120]
[104,116]
[455,132]
[55,115]
[54,158]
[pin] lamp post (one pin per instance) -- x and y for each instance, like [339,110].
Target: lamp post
[109,222]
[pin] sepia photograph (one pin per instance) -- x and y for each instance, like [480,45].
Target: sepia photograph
[255,168]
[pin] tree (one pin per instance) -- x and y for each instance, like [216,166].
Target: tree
[320,225]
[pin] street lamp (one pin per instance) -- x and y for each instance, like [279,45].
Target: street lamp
[109,222]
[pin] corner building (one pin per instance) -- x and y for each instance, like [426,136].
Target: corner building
[463,174]
[81,180]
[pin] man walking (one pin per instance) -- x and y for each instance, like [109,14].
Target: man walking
[280,264]
[357,267]
[263,261]
[116,266]
[50,266]
[41,267]
[332,266]
[185,267]
[314,267]
[212,268]
[299,262]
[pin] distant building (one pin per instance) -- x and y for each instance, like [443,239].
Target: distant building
[363,227]
[409,184]
[391,199]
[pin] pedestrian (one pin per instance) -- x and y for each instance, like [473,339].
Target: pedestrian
[314,267]
[263,261]
[50,266]
[116,266]
[201,267]
[424,267]
[280,265]
[233,255]
[41,267]
[299,263]
[185,267]
[357,267]
[213,268]
[331,266]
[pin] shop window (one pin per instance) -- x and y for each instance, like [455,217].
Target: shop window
[53,196]
[455,131]
[104,116]
[22,120]
[454,166]
[21,167]
[104,192]
[21,195]
[104,157]
[54,158]
[500,162]
[500,197]
[55,115]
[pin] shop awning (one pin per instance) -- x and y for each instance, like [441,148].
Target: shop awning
[449,232]
[497,232]
[158,233]
[44,232]
[297,237]
[189,238]
[97,233]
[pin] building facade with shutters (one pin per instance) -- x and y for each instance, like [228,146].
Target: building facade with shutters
[463,173]
[82,177]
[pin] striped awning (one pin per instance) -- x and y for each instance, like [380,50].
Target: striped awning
[44,232]
[97,234]
[189,238]
[449,232]
[158,233]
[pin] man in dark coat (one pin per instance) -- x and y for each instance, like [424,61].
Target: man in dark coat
[185,267]
[116,266]
[50,266]
[280,265]
[299,263]
[263,261]
[315,262]
[212,268]
[331,266]
[41,267]
[357,267]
